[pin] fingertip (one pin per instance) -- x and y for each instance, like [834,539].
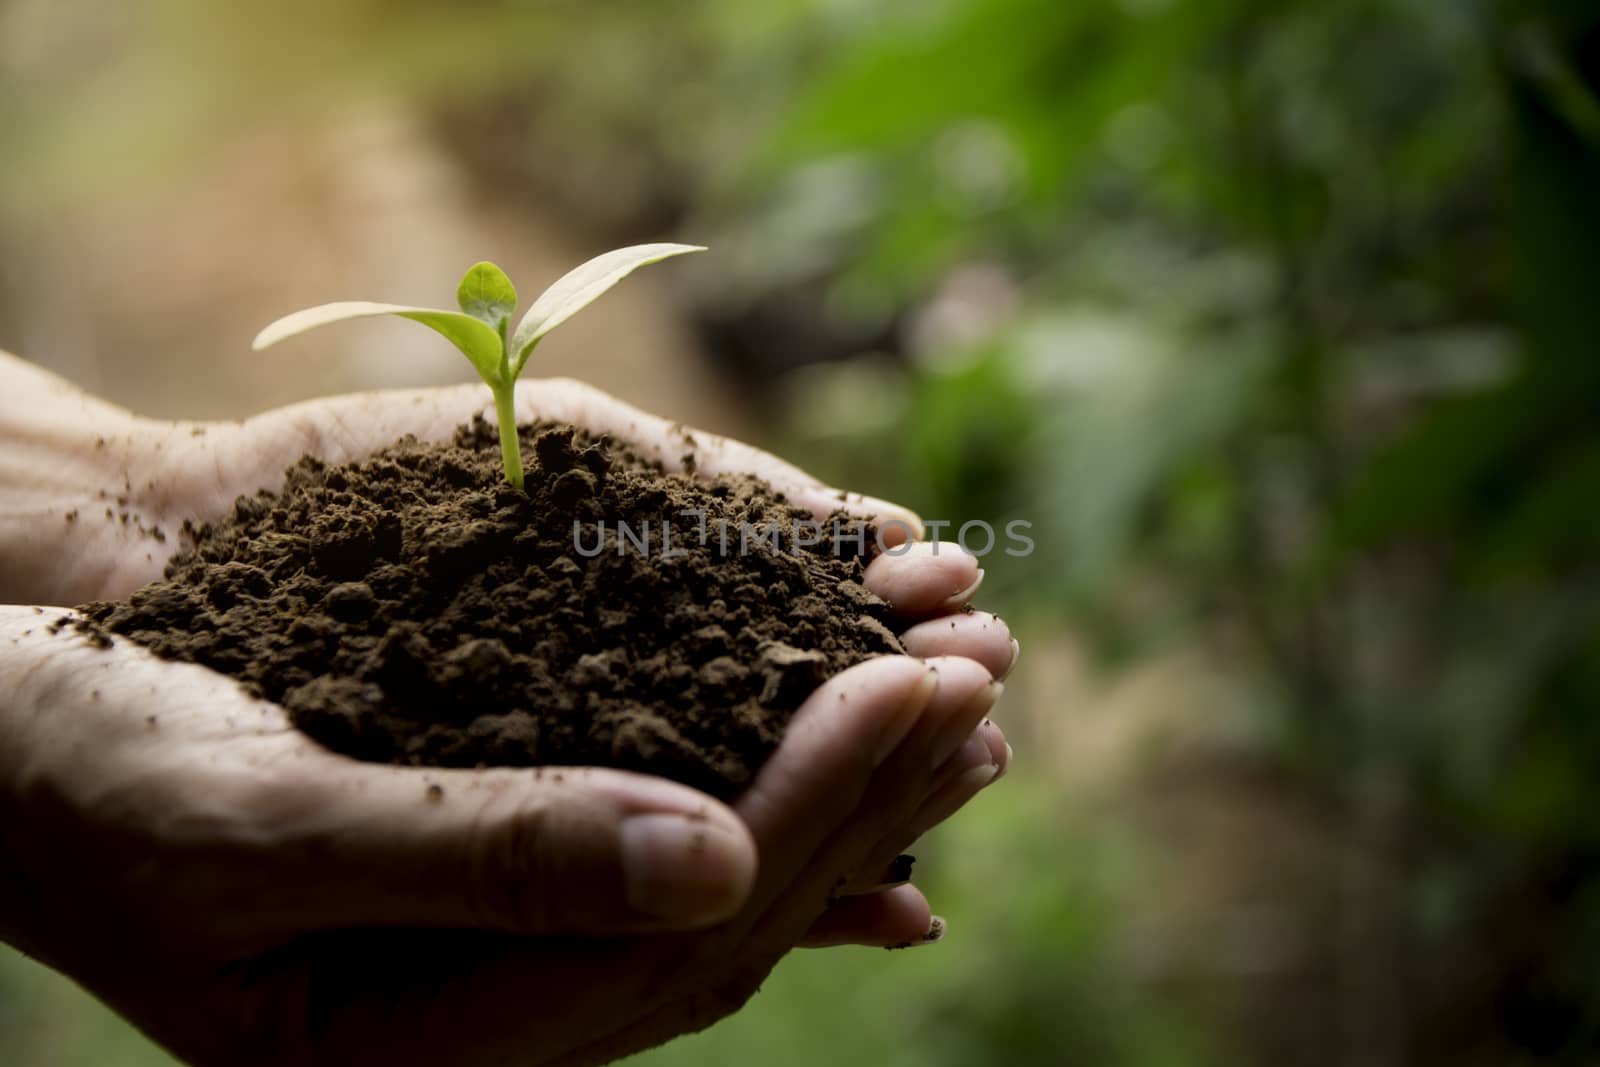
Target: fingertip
[924,577]
[966,694]
[976,635]
[889,918]
[877,701]
[963,596]
[1016,654]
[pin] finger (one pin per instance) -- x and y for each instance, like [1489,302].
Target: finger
[831,754]
[898,787]
[896,916]
[345,843]
[820,772]
[925,578]
[799,797]
[542,851]
[981,762]
[829,764]
[950,798]
[976,635]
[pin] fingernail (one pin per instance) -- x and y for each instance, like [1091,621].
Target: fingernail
[1006,766]
[976,707]
[916,703]
[682,868]
[958,598]
[1016,651]
[971,781]
[936,932]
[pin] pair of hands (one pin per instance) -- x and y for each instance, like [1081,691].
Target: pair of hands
[244,895]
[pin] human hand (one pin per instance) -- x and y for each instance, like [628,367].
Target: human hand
[347,914]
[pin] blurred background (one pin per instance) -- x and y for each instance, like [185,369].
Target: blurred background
[1275,318]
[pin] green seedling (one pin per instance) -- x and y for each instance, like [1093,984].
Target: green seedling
[488,300]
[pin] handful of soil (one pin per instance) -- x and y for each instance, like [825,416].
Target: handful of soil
[413,608]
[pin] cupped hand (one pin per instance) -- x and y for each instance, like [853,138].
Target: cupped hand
[243,894]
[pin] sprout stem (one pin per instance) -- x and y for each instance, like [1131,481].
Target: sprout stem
[487,298]
[510,450]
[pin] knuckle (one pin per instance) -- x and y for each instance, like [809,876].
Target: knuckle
[509,868]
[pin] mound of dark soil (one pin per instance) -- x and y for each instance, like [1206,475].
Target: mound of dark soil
[414,608]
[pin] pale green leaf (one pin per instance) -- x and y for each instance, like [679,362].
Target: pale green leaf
[476,340]
[581,287]
[487,295]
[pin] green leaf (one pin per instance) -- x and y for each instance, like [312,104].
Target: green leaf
[487,295]
[578,289]
[477,341]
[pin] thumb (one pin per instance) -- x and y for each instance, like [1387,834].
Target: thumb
[549,850]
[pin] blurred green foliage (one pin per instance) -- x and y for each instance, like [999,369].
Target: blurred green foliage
[1303,332]
[1274,319]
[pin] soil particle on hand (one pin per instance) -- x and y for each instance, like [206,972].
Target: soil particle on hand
[899,869]
[936,932]
[413,608]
